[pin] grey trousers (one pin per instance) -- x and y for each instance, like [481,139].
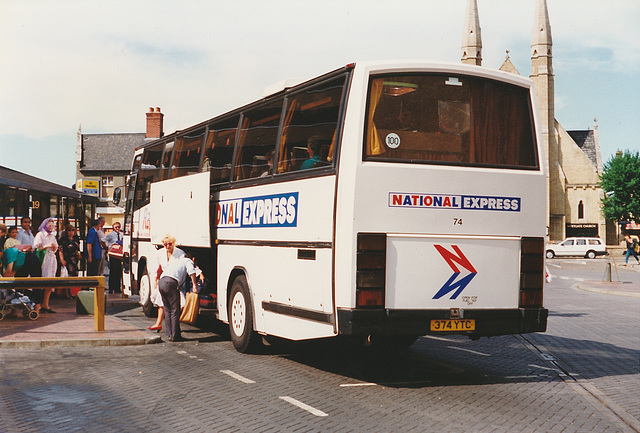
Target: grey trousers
[168,288]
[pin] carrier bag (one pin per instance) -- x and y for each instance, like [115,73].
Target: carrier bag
[191,308]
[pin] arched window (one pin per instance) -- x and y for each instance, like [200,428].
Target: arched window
[580,210]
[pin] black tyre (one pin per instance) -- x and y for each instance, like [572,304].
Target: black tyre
[591,254]
[33,314]
[243,337]
[550,254]
[144,288]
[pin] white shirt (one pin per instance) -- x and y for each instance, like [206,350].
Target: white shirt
[112,238]
[178,269]
[101,237]
[162,257]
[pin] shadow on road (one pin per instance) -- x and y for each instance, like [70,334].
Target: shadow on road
[456,360]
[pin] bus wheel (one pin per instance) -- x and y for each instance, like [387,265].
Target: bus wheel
[145,295]
[243,337]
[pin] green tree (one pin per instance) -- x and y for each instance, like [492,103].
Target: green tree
[620,180]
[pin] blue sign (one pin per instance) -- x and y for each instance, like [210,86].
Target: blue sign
[277,210]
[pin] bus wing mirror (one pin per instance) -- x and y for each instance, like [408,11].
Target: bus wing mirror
[117,194]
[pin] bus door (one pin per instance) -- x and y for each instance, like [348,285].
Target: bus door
[128,231]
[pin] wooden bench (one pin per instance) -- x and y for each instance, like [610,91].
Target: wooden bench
[62,283]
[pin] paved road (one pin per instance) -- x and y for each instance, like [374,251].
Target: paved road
[594,337]
[582,375]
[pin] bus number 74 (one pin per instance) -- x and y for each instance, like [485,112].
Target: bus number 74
[457,221]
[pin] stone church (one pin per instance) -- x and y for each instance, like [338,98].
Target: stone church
[573,157]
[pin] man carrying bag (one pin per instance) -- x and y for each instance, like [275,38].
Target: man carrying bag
[172,277]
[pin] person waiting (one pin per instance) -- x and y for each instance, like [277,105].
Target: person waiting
[313,148]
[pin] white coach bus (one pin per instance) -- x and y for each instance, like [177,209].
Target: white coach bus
[381,200]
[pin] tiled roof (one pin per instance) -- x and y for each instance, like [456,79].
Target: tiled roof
[109,152]
[587,143]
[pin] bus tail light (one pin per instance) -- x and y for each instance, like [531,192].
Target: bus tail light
[532,272]
[370,270]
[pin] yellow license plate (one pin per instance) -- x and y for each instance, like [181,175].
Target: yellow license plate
[453,325]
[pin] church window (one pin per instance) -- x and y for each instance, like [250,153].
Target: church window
[580,210]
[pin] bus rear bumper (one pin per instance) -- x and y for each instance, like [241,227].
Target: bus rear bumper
[417,322]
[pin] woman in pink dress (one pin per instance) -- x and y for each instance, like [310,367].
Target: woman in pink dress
[46,240]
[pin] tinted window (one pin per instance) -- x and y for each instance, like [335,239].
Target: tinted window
[221,140]
[186,153]
[257,140]
[149,173]
[310,125]
[165,166]
[450,120]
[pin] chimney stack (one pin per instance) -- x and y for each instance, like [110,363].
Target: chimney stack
[154,123]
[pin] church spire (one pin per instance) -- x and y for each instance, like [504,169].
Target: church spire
[541,42]
[542,76]
[471,37]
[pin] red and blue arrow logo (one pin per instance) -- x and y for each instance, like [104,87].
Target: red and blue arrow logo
[457,283]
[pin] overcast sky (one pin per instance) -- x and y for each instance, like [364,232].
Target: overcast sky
[103,64]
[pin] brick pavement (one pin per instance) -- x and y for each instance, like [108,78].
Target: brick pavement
[67,328]
[490,385]
[480,394]
[593,337]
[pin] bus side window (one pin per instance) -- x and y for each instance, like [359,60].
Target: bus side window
[149,173]
[258,136]
[221,139]
[186,153]
[165,167]
[311,121]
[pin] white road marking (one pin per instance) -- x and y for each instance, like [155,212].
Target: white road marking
[562,277]
[468,350]
[303,406]
[237,376]
[358,384]
[440,338]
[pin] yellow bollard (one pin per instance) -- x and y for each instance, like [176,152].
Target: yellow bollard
[98,304]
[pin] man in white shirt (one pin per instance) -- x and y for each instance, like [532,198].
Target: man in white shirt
[173,275]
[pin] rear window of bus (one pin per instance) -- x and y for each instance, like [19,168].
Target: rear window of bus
[448,119]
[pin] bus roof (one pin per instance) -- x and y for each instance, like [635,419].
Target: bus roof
[389,66]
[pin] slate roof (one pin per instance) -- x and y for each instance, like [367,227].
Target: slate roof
[109,152]
[587,143]
[18,179]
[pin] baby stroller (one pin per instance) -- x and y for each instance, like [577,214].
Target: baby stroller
[11,300]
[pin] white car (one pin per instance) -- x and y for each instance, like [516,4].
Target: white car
[583,247]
